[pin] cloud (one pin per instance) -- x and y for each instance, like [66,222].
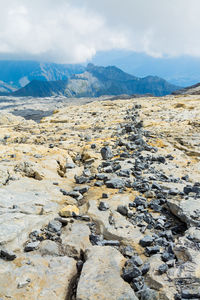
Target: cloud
[53,30]
[72,31]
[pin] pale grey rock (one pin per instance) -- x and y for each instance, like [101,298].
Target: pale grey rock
[159,282]
[35,277]
[75,239]
[100,276]
[25,205]
[119,229]
[49,247]
[186,210]
[193,233]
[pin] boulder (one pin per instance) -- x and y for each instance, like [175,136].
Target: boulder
[69,211]
[187,211]
[100,277]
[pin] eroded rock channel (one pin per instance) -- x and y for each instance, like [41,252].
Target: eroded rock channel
[101,201]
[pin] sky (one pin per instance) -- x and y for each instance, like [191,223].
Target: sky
[73,31]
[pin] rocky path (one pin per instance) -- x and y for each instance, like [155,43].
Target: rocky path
[102,201]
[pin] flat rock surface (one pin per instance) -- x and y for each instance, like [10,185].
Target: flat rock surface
[104,281]
[33,277]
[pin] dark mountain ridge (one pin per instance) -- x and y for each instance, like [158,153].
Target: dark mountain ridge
[37,88]
[191,90]
[17,74]
[98,81]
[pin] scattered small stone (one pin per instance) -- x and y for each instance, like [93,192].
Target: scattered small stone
[110,243]
[87,173]
[115,184]
[55,226]
[146,241]
[103,206]
[106,153]
[152,250]
[140,201]
[93,146]
[131,272]
[104,195]
[137,261]
[7,255]
[123,210]
[81,179]
[75,194]
[137,283]
[128,251]
[99,183]
[82,189]
[21,285]
[145,268]
[162,269]
[85,218]
[32,246]
[70,166]
[166,256]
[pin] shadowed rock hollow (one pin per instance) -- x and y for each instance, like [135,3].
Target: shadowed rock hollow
[101,201]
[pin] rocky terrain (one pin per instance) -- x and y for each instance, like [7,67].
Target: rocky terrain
[101,201]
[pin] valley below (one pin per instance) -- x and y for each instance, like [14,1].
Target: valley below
[100,198]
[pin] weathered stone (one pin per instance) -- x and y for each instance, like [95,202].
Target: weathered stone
[152,250]
[69,211]
[7,255]
[162,269]
[137,261]
[145,268]
[115,183]
[82,189]
[32,246]
[103,281]
[149,294]
[131,272]
[123,210]
[75,239]
[49,247]
[119,228]
[106,153]
[55,226]
[35,277]
[103,206]
[146,241]
[186,210]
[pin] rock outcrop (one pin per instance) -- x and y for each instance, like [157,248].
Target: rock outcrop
[101,201]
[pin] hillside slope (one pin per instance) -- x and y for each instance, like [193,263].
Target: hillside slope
[191,90]
[38,88]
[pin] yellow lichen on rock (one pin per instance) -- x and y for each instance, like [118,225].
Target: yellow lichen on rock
[69,211]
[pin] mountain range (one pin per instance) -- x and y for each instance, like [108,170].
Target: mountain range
[178,70]
[17,74]
[90,81]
